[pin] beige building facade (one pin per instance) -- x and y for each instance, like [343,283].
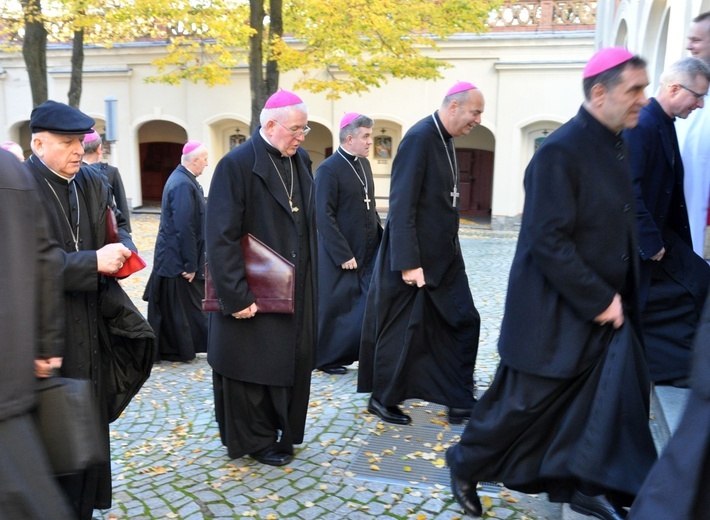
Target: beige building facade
[530,74]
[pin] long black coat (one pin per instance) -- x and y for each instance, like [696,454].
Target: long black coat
[420,343]
[180,246]
[576,250]
[347,229]
[31,323]
[246,196]
[672,302]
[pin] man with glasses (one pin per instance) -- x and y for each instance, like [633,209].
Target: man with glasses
[261,361]
[693,138]
[674,280]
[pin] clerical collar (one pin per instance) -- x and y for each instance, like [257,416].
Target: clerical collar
[444,133]
[270,147]
[57,178]
[350,156]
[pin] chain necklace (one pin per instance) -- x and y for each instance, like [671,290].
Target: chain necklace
[289,194]
[74,236]
[453,165]
[363,182]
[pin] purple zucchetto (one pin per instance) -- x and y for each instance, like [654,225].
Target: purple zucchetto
[90,138]
[605,59]
[190,146]
[282,98]
[348,118]
[460,86]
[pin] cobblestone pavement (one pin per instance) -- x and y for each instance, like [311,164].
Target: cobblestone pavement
[168,461]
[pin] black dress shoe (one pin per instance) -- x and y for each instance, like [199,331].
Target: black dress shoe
[335,370]
[597,506]
[466,496]
[272,457]
[390,414]
[459,415]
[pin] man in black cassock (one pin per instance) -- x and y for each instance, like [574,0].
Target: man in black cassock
[177,284]
[93,153]
[674,279]
[30,332]
[97,313]
[262,362]
[421,328]
[349,233]
[567,412]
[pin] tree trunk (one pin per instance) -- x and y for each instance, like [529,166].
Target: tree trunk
[34,50]
[276,29]
[256,50]
[77,69]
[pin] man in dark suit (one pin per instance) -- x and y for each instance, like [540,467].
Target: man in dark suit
[567,412]
[674,279]
[421,328]
[93,153]
[262,362]
[177,284]
[349,232]
[30,331]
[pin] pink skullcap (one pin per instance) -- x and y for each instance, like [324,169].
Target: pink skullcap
[190,146]
[282,98]
[460,86]
[348,118]
[606,59]
[93,136]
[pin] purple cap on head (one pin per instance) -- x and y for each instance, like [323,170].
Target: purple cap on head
[93,136]
[190,146]
[348,118]
[460,86]
[282,98]
[605,59]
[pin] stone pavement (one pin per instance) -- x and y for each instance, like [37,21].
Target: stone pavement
[168,461]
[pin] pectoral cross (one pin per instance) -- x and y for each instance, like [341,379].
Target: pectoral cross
[294,209]
[367,200]
[454,195]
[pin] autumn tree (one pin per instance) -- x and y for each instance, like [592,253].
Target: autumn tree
[340,47]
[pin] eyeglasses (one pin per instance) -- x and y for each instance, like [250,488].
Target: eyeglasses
[697,95]
[301,132]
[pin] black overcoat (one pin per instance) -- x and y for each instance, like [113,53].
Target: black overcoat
[31,324]
[180,246]
[576,250]
[420,343]
[246,196]
[660,203]
[347,229]
[672,291]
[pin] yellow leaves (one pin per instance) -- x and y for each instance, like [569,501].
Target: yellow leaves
[374,467]
[439,463]
[486,501]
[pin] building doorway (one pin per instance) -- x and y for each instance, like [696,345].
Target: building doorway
[476,182]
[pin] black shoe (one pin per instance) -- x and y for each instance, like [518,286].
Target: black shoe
[272,457]
[390,414]
[466,496]
[459,415]
[335,370]
[597,506]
